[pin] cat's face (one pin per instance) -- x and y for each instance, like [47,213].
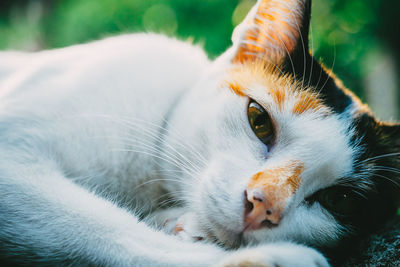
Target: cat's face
[280,154]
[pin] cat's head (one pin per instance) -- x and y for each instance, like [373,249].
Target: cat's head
[279,149]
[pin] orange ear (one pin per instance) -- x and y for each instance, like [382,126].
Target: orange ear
[270,31]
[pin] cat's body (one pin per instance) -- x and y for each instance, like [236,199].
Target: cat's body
[92,110]
[109,145]
[86,138]
[138,121]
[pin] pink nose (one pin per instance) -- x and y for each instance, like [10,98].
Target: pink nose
[260,211]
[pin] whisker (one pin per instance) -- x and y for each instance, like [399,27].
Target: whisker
[388,169]
[312,61]
[152,155]
[155,181]
[158,138]
[155,150]
[381,156]
[130,122]
[396,183]
[153,147]
[155,136]
[331,70]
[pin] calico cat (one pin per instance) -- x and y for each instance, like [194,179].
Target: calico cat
[261,156]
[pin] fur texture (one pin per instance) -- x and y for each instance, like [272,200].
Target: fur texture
[115,150]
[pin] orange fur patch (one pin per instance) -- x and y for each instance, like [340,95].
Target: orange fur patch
[307,101]
[236,88]
[272,32]
[294,180]
[279,95]
[288,175]
[278,183]
[243,78]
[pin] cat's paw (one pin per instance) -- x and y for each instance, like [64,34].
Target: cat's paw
[178,222]
[273,255]
[166,219]
[186,228]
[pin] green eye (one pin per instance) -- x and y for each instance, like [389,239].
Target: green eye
[340,200]
[260,123]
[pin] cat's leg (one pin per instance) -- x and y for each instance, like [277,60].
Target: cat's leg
[47,219]
[283,254]
[183,224]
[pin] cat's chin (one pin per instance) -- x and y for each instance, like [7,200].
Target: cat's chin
[230,239]
[220,234]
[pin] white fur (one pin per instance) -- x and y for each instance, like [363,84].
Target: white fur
[279,254]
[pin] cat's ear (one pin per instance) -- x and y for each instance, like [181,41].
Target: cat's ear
[390,134]
[276,31]
[272,31]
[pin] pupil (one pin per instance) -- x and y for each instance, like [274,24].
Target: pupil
[260,121]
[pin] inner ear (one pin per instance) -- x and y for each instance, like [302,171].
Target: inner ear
[274,30]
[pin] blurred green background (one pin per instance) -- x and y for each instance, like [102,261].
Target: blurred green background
[359,39]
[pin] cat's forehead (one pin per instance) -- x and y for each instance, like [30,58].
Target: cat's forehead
[279,92]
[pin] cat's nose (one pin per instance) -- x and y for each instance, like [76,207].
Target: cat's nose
[260,211]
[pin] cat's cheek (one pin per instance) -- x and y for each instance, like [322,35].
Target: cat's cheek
[218,197]
[278,254]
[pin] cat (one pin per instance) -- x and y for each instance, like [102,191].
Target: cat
[115,150]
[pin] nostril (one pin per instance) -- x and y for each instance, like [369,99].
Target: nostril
[259,211]
[248,205]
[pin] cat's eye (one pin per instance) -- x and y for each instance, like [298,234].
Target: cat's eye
[340,200]
[260,122]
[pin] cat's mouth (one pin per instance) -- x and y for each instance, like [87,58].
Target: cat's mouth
[222,236]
